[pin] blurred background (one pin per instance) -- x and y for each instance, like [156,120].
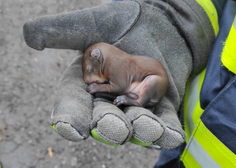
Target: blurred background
[28,80]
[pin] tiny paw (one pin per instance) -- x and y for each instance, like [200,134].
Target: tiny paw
[125,100]
[92,88]
[120,100]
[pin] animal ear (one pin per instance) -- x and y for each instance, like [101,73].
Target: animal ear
[96,54]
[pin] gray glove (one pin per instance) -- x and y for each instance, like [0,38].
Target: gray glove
[178,34]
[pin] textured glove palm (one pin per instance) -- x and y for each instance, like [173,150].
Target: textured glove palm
[178,34]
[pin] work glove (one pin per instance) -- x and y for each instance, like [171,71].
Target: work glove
[178,34]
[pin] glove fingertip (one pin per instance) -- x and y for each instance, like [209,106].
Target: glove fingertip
[68,132]
[98,138]
[138,142]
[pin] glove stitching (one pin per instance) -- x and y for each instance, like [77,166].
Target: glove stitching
[105,138]
[203,27]
[72,127]
[175,23]
[132,25]
[172,21]
[208,23]
[130,131]
[153,119]
[166,145]
[175,131]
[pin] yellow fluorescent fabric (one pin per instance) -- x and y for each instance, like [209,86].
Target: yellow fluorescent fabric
[207,146]
[201,156]
[229,52]
[209,8]
[189,161]
[198,110]
[203,149]
[210,146]
[98,138]
[214,147]
[192,109]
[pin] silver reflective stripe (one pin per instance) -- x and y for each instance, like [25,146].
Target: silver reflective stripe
[194,148]
[200,155]
[192,101]
[235,22]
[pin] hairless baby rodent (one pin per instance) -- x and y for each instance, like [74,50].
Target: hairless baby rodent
[137,80]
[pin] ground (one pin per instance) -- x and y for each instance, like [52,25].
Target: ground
[28,80]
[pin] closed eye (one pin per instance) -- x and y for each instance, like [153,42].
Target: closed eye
[89,68]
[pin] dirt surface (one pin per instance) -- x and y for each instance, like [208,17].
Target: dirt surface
[28,80]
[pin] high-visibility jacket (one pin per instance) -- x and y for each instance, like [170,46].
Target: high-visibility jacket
[209,107]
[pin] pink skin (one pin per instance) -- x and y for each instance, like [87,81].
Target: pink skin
[138,80]
[94,79]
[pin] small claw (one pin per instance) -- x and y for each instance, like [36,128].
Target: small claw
[91,88]
[120,103]
[117,102]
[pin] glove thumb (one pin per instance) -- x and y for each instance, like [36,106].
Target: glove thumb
[80,29]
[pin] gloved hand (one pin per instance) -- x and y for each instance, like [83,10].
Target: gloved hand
[178,34]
